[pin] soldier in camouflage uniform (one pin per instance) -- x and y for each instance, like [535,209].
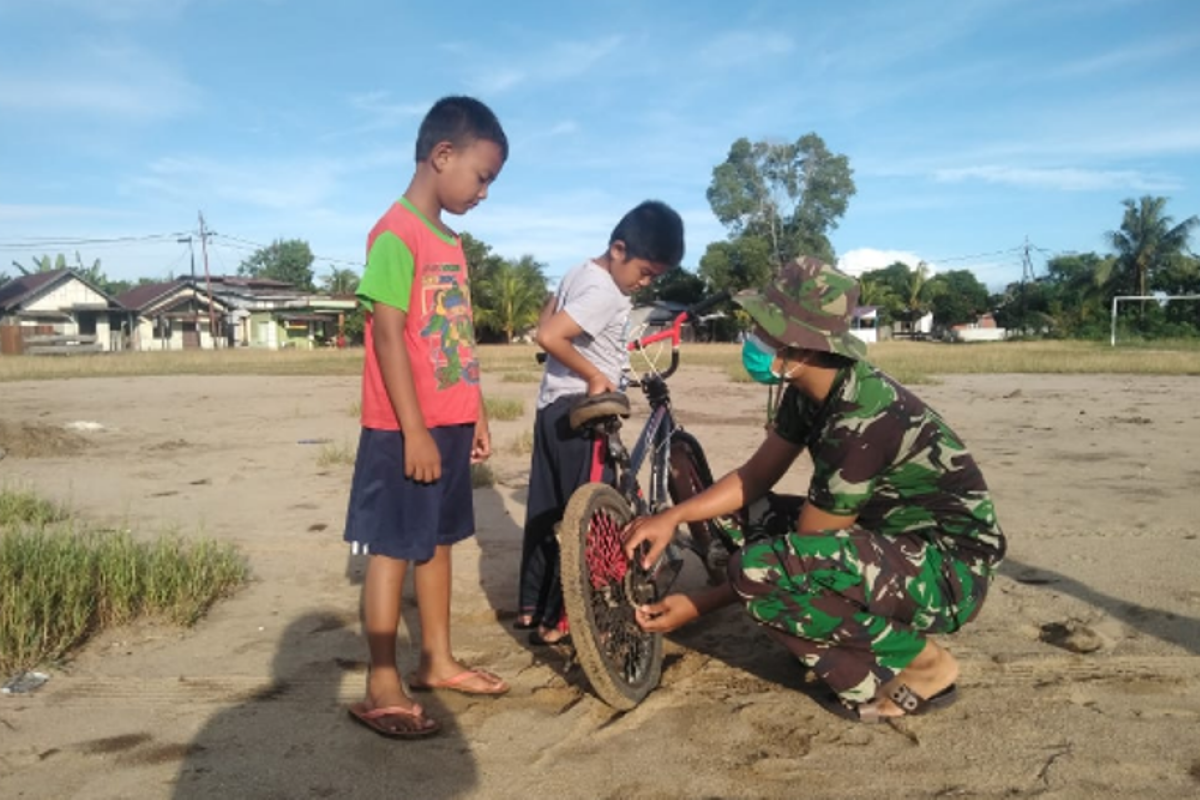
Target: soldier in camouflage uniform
[897,538]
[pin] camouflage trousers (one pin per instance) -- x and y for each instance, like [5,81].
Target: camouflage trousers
[854,605]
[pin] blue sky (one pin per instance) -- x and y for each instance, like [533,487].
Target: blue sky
[969,125]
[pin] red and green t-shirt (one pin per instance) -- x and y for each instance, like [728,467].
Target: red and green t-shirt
[415,267]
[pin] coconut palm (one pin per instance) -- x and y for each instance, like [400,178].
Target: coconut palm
[1147,241]
[510,297]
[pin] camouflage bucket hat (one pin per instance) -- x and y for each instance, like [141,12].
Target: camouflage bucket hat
[809,305]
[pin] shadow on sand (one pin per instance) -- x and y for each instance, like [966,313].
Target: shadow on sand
[294,739]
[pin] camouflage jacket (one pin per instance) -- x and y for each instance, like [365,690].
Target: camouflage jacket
[881,453]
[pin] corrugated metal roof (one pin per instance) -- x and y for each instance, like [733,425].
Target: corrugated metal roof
[18,290]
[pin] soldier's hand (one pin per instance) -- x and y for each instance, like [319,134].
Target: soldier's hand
[673,611]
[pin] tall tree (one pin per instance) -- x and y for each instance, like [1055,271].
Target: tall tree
[676,285]
[744,262]
[509,296]
[957,297]
[1075,292]
[791,195]
[1147,241]
[287,260]
[340,282]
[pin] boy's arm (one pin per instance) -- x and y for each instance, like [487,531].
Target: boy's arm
[422,461]
[547,311]
[555,338]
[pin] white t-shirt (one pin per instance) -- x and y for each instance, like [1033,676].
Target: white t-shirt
[590,296]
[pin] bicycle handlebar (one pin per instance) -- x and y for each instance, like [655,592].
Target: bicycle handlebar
[706,304]
[674,333]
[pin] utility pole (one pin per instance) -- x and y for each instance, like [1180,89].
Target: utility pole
[1026,276]
[191,249]
[212,315]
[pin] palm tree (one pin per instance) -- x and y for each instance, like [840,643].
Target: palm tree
[511,296]
[1148,240]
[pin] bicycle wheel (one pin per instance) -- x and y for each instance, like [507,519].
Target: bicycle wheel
[622,662]
[690,475]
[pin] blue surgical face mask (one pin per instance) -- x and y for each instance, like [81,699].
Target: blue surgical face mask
[758,357]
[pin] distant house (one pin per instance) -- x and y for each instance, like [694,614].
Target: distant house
[274,314]
[865,323]
[59,312]
[914,329]
[175,315]
[983,329]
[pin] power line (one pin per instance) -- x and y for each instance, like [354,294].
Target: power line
[44,243]
[247,244]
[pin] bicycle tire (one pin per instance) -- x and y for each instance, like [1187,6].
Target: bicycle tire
[704,533]
[622,662]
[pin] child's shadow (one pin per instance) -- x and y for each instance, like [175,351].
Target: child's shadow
[294,737]
[500,517]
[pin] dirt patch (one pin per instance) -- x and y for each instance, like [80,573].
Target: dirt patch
[35,440]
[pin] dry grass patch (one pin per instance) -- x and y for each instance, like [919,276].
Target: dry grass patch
[504,409]
[523,444]
[333,454]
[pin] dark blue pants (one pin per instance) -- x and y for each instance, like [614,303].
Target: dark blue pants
[561,463]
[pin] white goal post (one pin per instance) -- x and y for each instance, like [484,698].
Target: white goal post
[1161,298]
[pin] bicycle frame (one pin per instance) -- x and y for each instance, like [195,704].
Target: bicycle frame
[653,442]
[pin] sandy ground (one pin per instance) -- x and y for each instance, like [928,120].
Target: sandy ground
[1080,679]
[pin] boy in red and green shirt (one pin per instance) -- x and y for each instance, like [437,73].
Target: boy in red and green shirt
[422,415]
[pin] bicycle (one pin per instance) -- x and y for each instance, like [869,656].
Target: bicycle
[601,587]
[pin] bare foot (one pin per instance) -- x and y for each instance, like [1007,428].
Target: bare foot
[933,671]
[453,675]
[384,690]
[551,635]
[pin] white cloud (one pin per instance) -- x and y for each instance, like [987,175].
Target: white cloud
[563,128]
[1067,179]
[381,113]
[561,62]
[113,10]
[737,48]
[25,213]
[865,259]
[277,185]
[110,81]
[1159,49]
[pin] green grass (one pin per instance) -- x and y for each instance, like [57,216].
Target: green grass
[21,507]
[62,581]
[504,409]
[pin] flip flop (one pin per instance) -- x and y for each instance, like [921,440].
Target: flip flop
[404,720]
[538,640]
[456,684]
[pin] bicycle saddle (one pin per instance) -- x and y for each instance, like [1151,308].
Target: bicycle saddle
[596,406]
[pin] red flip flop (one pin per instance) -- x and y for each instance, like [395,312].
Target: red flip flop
[395,722]
[495,683]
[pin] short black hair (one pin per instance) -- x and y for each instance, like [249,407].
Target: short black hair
[459,121]
[653,231]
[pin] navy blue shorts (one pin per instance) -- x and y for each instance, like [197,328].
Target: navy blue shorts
[391,515]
